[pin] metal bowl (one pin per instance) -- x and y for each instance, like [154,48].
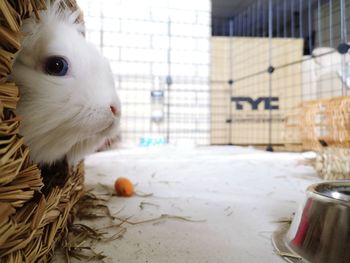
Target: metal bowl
[320,230]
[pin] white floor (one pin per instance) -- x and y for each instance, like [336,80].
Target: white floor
[239,192]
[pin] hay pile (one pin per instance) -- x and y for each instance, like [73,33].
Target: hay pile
[325,122]
[312,125]
[333,163]
[325,129]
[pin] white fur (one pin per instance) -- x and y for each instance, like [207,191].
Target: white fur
[67,116]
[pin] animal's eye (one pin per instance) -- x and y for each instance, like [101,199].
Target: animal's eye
[56,66]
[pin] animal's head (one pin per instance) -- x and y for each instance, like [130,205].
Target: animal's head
[68,100]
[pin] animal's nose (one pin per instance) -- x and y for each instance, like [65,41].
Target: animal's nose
[114,110]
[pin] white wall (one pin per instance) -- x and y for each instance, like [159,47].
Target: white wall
[136,37]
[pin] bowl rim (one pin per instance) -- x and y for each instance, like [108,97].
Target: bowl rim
[313,191]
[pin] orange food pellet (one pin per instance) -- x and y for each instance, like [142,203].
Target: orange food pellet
[124,187]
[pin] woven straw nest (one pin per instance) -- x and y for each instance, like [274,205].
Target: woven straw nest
[326,122]
[333,163]
[312,125]
[33,215]
[325,128]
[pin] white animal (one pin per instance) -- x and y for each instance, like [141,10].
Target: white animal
[68,103]
[325,74]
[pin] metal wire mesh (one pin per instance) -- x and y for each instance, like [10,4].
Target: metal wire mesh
[229,80]
[160,54]
[285,54]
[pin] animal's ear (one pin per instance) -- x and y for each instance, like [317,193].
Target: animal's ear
[81,29]
[29,30]
[60,10]
[29,38]
[76,19]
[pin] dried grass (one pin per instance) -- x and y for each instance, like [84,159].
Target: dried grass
[325,122]
[31,220]
[80,239]
[325,129]
[333,163]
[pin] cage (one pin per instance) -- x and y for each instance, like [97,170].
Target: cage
[267,74]
[308,79]
[34,212]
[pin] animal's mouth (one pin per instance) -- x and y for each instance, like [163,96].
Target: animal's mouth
[109,128]
[107,144]
[102,130]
